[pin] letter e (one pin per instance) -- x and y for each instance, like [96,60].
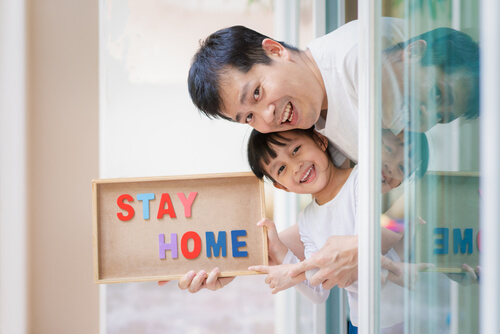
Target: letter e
[443,242]
[237,244]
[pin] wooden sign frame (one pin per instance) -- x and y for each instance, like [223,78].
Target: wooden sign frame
[456,194]
[213,216]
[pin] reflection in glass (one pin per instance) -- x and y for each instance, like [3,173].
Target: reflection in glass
[430,180]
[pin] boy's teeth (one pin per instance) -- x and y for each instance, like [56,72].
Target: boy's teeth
[307,174]
[288,115]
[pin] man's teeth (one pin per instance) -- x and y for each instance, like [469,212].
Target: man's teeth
[288,115]
[307,174]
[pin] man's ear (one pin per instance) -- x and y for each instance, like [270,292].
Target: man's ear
[414,51]
[274,48]
[279,186]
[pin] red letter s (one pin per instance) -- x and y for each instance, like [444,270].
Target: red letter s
[126,207]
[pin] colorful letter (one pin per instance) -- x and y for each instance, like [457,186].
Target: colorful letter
[165,198]
[184,245]
[237,244]
[221,244]
[126,207]
[187,202]
[145,198]
[443,242]
[463,243]
[172,246]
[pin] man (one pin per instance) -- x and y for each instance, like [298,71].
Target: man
[440,71]
[243,76]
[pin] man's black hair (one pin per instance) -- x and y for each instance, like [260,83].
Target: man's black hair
[451,50]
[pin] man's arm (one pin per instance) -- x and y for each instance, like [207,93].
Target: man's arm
[337,263]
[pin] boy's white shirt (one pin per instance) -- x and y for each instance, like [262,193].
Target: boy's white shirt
[339,217]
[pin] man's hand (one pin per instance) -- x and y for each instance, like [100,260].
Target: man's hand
[337,262]
[277,277]
[408,273]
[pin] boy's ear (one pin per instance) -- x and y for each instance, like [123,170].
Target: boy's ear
[279,186]
[274,48]
[414,51]
[322,141]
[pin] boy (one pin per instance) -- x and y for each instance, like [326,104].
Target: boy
[298,161]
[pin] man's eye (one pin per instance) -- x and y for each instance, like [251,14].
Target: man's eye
[439,117]
[436,95]
[295,150]
[249,118]
[256,93]
[280,170]
[389,150]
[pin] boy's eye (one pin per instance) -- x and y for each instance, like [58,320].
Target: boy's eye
[295,150]
[389,150]
[402,169]
[280,170]
[256,93]
[248,119]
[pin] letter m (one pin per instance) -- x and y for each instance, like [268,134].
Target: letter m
[216,246]
[464,243]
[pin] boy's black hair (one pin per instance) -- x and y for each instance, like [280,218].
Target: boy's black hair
[260,149]
[235,47]
[451,50]
[420,161]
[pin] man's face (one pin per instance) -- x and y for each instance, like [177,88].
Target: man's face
[423,96]
[281,96]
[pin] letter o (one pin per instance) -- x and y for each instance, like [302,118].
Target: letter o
[184,245]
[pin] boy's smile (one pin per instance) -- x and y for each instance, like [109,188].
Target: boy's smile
[301,166]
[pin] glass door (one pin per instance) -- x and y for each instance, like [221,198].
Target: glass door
[427,102]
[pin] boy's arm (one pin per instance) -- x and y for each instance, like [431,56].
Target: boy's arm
[389,239]
[277,277]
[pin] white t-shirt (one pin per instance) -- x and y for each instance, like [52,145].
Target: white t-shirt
[336,55]
[339,217]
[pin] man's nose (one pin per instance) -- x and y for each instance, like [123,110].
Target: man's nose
[269,113]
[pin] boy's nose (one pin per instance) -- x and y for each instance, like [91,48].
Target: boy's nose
[298,167]
[387,168]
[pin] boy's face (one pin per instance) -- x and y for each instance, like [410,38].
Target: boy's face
[281,96]
[393,162]
[301,166]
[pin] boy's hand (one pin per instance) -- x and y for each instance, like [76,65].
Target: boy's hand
[277,249]
[277,277]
